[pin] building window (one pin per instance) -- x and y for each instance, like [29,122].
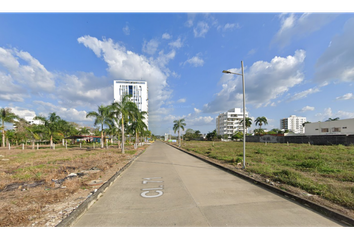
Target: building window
[130,90]
[324,129]
[344,127]
[335,129]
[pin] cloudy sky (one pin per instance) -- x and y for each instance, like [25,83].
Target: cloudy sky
[294,64]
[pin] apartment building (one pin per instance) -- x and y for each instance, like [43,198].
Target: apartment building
[138,89]
[293,123]
[230,122]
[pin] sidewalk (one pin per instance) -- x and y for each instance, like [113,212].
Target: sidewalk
[165,187]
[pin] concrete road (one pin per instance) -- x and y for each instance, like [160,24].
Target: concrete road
[165,187]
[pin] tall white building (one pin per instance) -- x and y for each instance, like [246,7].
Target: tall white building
[230,122]
[293,123]
[139,91]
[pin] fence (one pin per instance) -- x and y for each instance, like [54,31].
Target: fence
[312,139]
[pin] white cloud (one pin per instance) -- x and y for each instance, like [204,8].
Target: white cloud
[151,46]
[176,44]
[347,96]
[327,113]
[126,30]
[125,64]
[294,26]
[307,108]
[31,75]
[195,61]
[84,89]
[264,81]
[22,112]
[68,114]
[228,26]
[196,110]
[200,121]
[166,36]
[182,100]
[337,62]
[252,51]
[303,94]
[201,29]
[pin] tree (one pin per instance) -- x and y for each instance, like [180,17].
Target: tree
[305,123]
[139,125]
[259,131]
[101,118]
[260,121]
[332,119]
[211,135]
[197,134]
[124,111]
[190,133]
[248,122]
[6,116]
[179,124]
[51,125]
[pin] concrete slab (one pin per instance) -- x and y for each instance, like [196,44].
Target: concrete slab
[165,187]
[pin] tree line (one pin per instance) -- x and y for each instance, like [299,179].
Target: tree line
[117,120]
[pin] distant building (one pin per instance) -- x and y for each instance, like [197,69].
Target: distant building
[345,126]
[293,123]
[230,122]
[139,91]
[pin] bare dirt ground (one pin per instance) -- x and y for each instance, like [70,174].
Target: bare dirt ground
[39,188]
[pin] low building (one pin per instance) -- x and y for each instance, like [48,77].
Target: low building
[338,127]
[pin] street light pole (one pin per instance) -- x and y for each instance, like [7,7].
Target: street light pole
[244,113]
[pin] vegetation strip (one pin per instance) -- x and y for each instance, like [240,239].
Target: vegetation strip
[314,206]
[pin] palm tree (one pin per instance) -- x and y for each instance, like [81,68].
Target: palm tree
[6,116]
[126,110]
[101,118]
[51,125]
[179,124]
[139,125]
[248,122]
[260,121]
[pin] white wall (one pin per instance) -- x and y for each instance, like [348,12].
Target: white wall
[345,126]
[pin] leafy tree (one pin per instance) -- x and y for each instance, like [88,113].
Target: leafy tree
[332,119]
[6,116]
[179,124]
[259,131]
[237,135]
[211,135]
[101,118]
[197,134]
[190,133]
[51,125]
[305,123]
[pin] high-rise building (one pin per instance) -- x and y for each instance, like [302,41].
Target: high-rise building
[138,89]
[293,123]
[230,122]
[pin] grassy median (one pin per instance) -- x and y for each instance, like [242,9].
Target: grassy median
[326,171]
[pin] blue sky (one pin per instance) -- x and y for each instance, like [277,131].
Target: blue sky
[295,63]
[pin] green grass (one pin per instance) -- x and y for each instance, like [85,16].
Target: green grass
[327,171]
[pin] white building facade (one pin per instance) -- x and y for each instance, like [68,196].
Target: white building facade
[138,89]
[229,122]
[345,126]
[293,123]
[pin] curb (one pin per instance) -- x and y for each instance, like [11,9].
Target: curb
[84,206]
[307,203]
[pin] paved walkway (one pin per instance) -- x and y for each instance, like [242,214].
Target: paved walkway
[165,187]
